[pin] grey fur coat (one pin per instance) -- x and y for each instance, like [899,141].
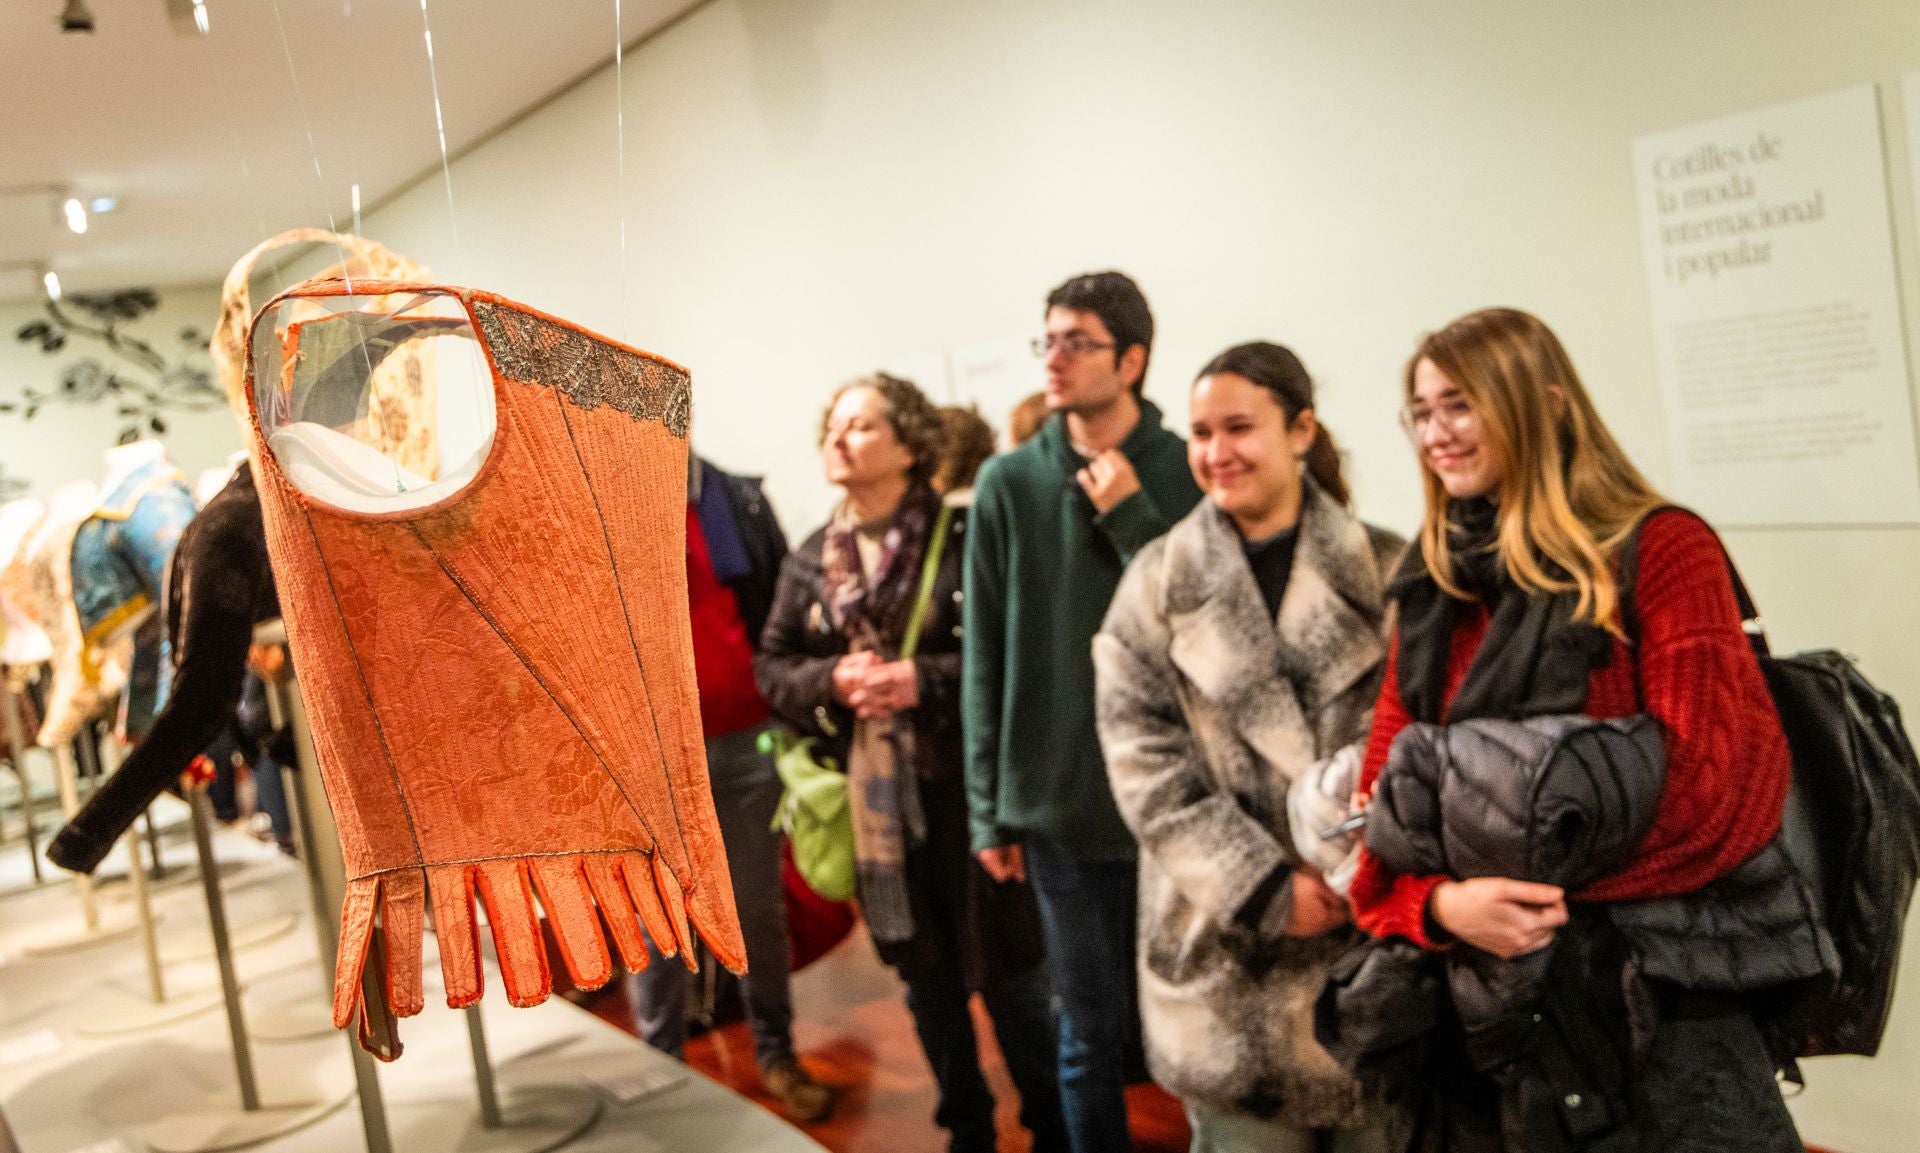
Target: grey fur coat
[1209,711]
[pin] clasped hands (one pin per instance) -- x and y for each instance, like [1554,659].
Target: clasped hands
[1499,915]
[874,688]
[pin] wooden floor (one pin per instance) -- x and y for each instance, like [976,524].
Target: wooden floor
[853,1033]
[852,1030]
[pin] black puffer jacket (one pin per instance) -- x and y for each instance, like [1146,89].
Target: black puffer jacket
[1562,800]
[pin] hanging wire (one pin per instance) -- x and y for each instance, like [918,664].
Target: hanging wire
[306,123]
[239,150]
[481,399]
[326,201]
[440,125]
[620,153]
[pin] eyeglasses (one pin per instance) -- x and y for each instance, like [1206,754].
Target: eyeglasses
[1453,415]
[1073,344]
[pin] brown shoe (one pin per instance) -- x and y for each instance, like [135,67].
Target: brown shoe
[801,1098]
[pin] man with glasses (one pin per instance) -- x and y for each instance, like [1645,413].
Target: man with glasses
[1054,524]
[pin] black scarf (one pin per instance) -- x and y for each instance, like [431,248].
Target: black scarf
[1536,659]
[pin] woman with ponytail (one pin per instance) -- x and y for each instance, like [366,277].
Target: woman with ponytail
[1236,673]
[1552,587]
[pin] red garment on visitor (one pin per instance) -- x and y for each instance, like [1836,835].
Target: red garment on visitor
[722,651]
[1728,766]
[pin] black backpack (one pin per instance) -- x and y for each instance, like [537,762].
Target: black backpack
[1852,828]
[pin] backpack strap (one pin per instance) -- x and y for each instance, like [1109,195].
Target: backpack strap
[1628,574]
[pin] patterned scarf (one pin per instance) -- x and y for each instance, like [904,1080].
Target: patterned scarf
[881,787]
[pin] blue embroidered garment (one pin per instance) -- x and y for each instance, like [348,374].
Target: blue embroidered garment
[120,558]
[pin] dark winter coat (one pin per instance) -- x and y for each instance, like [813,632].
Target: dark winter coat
[760,536]
[960,914]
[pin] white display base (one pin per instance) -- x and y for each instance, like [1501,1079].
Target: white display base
[249,936]
[291,1007]
[124,1015]
[73,940]
[534,1119]
[215,1128]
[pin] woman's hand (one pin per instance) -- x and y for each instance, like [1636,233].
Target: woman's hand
[268,662]
[1317,908]
[888,688]
[1504,917]
[850,672]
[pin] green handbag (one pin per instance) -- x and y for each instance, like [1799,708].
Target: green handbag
[814,812]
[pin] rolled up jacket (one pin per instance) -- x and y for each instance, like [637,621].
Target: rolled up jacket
[1562,800]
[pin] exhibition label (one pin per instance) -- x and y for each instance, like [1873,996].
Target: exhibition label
[1776,312]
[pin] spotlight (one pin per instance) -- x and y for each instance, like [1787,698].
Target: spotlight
[76,214]
[52,282]
[200,17]
[75,17]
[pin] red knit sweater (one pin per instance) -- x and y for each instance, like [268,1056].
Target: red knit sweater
[1728,766]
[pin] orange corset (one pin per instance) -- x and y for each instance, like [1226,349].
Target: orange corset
[501,683]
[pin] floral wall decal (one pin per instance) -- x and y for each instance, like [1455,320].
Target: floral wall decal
[141,382]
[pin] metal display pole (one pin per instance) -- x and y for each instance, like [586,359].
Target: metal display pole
[109,755]
[223,948]
[490,1115]
[159,867]
[17,750]
[326,876]
[536,1119]
[216,1125]
[161,1010]
[67,780]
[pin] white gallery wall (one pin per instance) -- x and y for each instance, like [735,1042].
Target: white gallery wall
[63,442]
[814,188]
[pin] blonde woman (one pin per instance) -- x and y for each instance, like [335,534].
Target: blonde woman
[1514,607]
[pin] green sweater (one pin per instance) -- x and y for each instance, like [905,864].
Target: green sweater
[1041,567]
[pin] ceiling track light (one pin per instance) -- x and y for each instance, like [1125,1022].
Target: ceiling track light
[51,280]
[76,215]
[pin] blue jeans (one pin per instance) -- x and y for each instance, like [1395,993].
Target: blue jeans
[1088,912]
[270,797]
[746,790]
[1023,1025]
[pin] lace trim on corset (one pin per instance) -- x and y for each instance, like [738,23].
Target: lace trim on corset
[591,372]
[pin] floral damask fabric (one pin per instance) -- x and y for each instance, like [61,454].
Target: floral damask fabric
[501,683]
